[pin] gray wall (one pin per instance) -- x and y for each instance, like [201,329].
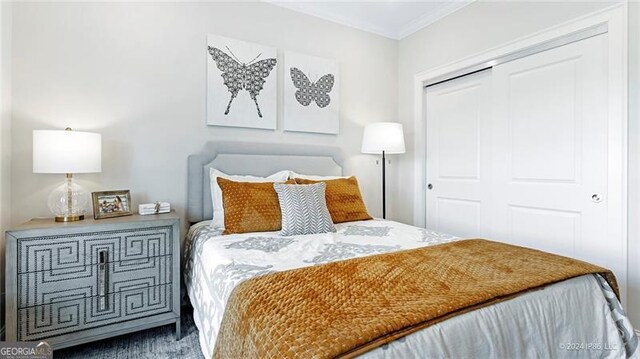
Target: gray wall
[136,73]
[5,138]
[634,164]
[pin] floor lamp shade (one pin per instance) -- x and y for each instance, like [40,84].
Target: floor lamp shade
[67,152]
[383,138]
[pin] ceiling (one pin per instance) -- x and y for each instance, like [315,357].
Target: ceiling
[393,19]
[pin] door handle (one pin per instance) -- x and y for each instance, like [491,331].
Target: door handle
[103,259]
[429,186]
[596,198]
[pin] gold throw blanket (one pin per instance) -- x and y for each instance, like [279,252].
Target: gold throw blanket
[346,308]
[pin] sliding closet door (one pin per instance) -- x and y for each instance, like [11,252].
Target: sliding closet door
[458,155]
[549,136]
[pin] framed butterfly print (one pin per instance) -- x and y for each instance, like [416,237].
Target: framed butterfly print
[241,83]
[311,94]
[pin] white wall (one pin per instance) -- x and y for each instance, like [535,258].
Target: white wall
[5,138]
[634,163]
[484,25]
[471,30]
[137,74]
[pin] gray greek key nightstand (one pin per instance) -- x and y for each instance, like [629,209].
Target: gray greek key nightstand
[76,282]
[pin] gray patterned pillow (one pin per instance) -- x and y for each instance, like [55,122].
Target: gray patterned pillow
[304,209]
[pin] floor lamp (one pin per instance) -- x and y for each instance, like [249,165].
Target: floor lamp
[385,138]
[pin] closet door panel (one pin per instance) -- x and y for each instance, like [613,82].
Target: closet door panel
[457,155]
[460,216]
[545,119]
[550,151]
[522,154]
[545,229]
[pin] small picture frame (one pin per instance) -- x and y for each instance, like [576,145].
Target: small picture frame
[109,204]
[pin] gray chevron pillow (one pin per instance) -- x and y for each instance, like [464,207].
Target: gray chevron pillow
[304,209]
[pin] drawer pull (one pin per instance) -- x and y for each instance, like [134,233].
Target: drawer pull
[102,279]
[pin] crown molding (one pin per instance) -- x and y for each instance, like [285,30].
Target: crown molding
[329,16]
[410,28]
[428,19]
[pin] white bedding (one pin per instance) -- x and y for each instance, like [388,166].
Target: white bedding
[576,318]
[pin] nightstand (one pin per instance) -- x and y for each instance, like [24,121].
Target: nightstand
[76,282]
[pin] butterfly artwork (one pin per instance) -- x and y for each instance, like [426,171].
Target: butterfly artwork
[311,94]
[308,91]
[242,76]
[241,87]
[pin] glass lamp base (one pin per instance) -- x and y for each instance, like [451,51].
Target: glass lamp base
[68,202]
[69,218]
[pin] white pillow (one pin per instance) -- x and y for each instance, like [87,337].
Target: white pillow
[313,177]
[216,192]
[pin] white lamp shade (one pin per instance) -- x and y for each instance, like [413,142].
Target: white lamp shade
[383,136]
[66,152]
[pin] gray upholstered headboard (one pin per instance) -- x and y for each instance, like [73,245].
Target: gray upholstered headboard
[258,159]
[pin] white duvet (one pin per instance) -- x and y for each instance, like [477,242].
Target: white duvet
[576,318]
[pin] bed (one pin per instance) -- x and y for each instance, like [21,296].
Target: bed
[578,317]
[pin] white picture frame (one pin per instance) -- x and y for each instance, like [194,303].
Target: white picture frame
[229,61]
[311,94]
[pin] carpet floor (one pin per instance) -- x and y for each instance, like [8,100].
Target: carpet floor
[158,342]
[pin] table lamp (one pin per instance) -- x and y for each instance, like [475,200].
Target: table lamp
[67,152]
[384,138]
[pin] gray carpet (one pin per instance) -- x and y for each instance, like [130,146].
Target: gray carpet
[152,343]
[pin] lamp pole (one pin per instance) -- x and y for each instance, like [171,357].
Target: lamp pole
[382,138]
[384,188]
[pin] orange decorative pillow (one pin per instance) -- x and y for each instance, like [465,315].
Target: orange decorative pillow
[250,206]
[344,200]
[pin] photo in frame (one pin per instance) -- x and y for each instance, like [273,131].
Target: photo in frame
[109,204]
[241,83]
[311,94]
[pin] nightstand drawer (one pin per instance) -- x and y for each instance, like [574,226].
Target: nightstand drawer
[84,313]
[57,285]
[71,283]
[81,249]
